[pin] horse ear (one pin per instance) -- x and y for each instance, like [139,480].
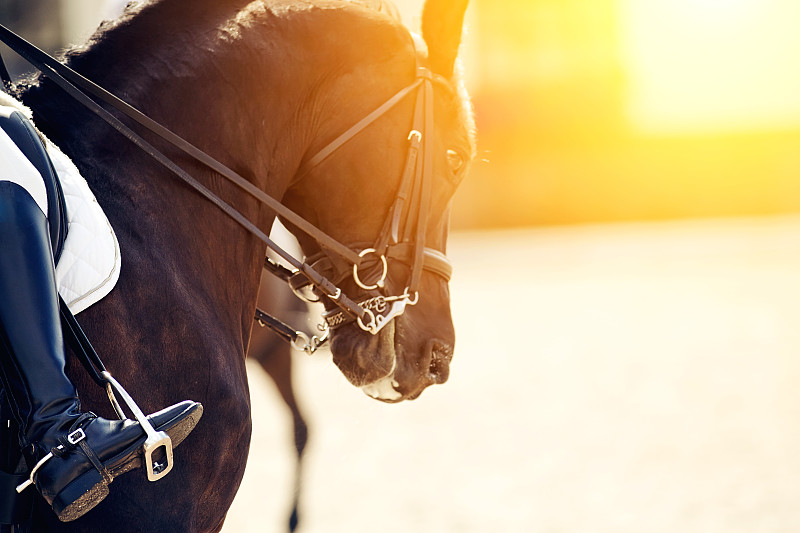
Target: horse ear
[442,24]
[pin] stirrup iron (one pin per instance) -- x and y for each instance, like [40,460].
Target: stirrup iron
[155,439]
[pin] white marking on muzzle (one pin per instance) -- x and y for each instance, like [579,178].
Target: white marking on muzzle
[384,388]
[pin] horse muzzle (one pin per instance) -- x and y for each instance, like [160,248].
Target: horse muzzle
[409,384]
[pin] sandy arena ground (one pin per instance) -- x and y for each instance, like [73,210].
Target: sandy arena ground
[621,379]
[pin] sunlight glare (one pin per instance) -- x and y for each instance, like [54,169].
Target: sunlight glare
[708,65]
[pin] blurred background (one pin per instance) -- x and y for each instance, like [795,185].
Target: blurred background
[610,110]
[626,295]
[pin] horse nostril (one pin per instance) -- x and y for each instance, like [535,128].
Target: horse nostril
[441,355]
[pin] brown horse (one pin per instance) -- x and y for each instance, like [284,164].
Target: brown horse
[262,86]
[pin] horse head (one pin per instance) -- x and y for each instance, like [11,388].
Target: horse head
[392,138]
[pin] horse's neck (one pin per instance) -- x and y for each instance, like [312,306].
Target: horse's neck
[145,203]
[176,70]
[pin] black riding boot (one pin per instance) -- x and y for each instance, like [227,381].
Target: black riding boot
[86,452]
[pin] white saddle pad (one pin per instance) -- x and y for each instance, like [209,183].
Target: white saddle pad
[90,260]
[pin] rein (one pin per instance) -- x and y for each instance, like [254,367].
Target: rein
[412,198]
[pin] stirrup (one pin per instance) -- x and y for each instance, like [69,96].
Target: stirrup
[155,439]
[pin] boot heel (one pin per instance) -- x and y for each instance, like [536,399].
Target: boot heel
[80,496]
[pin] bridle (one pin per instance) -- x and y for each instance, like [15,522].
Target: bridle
[402,237]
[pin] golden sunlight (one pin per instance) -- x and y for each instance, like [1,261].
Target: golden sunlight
[711,65]
[609,110]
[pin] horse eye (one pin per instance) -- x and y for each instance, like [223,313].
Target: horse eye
[454,160]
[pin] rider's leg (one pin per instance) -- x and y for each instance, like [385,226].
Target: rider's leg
[87,451]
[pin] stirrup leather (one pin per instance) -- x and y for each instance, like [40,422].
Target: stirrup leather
[155,439]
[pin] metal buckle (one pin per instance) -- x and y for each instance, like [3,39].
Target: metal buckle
[302,343]
[73,438]
[76,436]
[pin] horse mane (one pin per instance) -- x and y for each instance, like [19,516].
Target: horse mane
[159,15]
[111,44]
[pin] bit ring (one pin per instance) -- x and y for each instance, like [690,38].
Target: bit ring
[385,271]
